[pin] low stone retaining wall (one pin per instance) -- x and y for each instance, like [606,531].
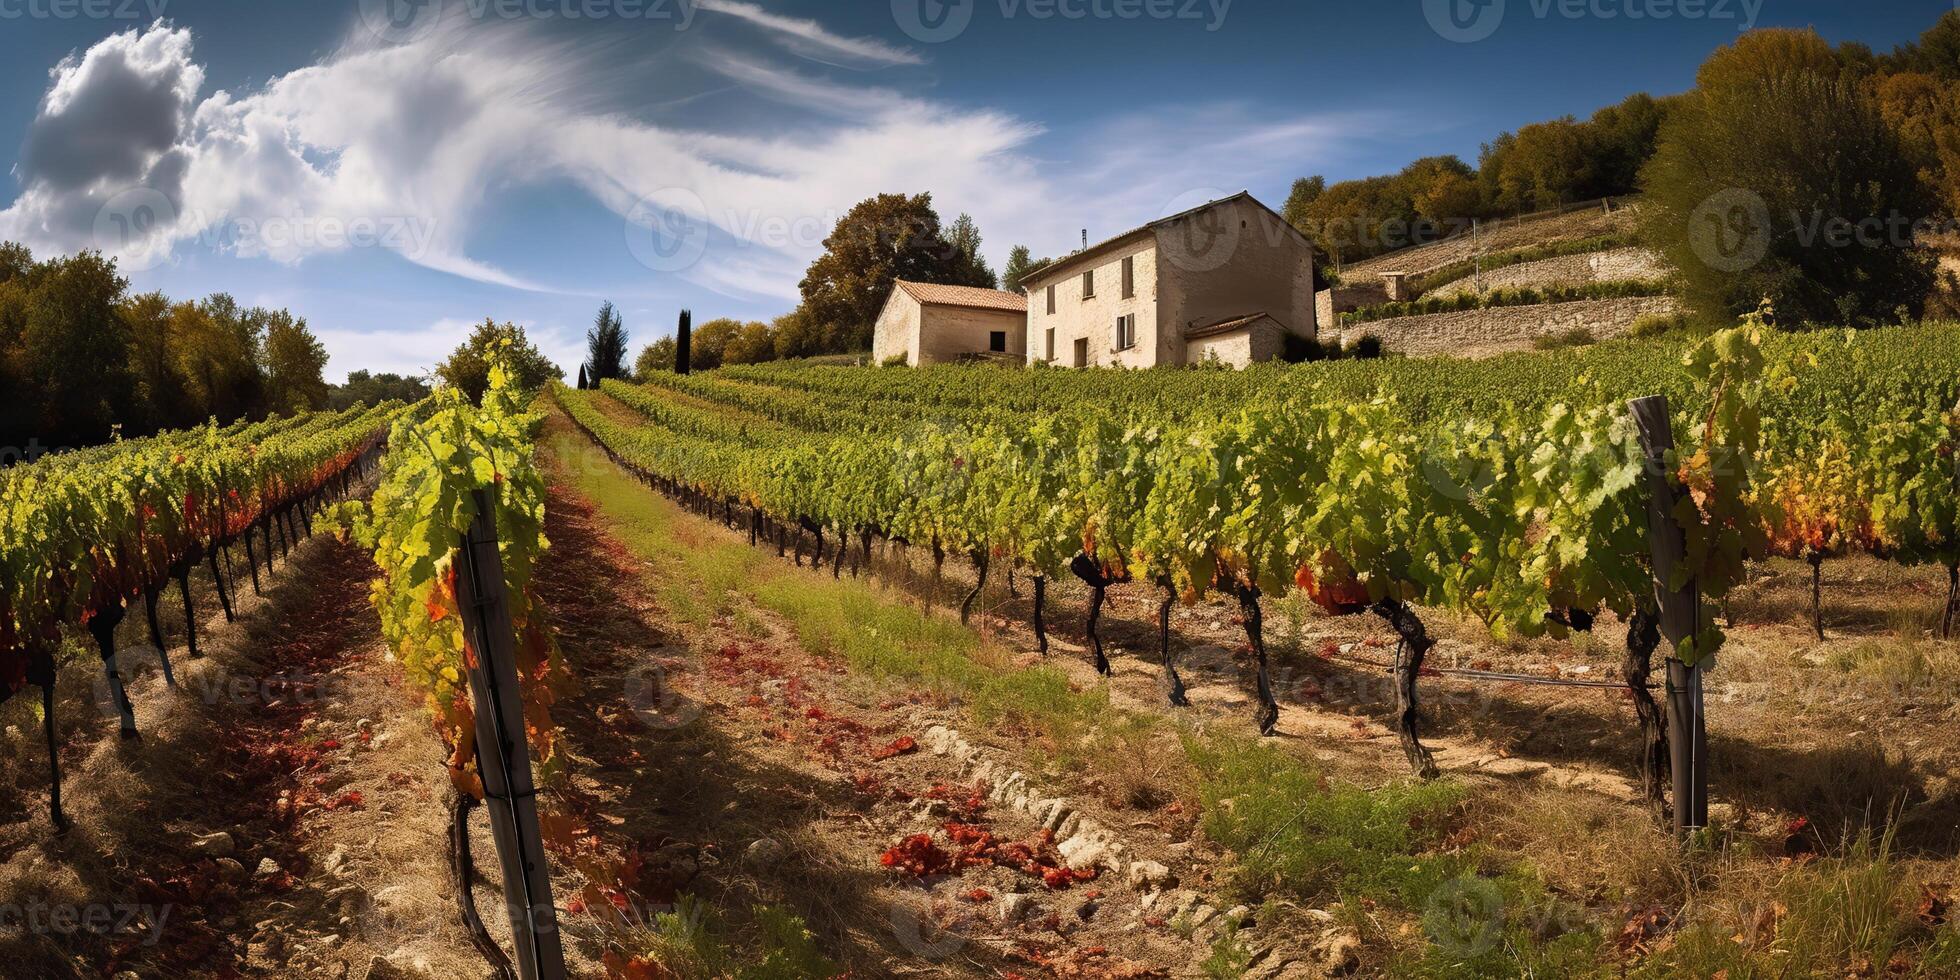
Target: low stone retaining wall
[1613,265]
[1481,333]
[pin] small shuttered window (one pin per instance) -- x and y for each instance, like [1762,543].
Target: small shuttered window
[1129,276]
[1051,300]
[1126,332]
[1089,284]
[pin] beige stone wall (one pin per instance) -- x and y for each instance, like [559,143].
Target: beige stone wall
[1480,333]
[1093,318]
[947,333]
[1232,260]
[1330,303]
[897,329]
[1615,265]
[1240,348]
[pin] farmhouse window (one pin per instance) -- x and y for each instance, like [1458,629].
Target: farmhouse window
[997,341]
[1051,301]
[1126,332]
[1089,284]
[1129,276]
[1051,344]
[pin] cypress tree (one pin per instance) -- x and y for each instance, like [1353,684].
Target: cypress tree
[684,343]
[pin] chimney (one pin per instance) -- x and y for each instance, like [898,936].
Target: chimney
[1085,239]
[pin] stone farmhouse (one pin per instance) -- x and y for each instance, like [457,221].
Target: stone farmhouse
[1230,281]
[931,324]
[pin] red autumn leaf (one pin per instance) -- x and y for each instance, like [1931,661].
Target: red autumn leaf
[903,746]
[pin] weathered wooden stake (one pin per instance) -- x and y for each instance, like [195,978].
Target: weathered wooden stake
[503,755]
[1680,616]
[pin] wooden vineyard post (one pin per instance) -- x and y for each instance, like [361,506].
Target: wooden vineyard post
[1680,615]
[503,756]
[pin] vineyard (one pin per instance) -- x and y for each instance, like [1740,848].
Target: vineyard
[1387,519]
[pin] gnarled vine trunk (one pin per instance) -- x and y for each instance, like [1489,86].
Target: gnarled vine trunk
[1040,627]
[156,632]
[1408,666]
[979,556]
[1178,698]
[1255,631]
[1091,574]
[1952,600]
[1643,636]
[1817,593]
[217,576]
[103,626]
[40,672]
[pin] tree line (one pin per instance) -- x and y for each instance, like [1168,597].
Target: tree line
[81,359]
[1815,175]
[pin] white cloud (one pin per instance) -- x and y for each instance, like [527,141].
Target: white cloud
[811,38]
[408,148]
[417,350]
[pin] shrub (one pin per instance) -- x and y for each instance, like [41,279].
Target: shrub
[896,360]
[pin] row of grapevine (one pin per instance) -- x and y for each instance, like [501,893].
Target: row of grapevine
[83,535]
[1851,439]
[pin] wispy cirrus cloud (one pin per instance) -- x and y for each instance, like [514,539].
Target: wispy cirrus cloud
[812,39]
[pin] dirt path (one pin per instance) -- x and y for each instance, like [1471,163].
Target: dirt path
[279,816]
[758,772]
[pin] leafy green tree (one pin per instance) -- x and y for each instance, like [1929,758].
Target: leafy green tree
[711,341]
[1748,196]
[152,361]
[654,357]
[74,348]
[468,369]
[365,388]
[752,344]
[964,236]
[1020,265]
[295,365]
[606,346]
[881,240]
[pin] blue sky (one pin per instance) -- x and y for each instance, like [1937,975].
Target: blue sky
[395,180]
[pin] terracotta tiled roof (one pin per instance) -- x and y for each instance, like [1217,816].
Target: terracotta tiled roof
[973,296]
[1227,326]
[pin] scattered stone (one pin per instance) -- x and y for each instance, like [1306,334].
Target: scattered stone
[764,852]
[1516,767]
[1015,907]
[1338,953]
[267,867]
[231,870]
[1151,876]
[335,859]
[215,845]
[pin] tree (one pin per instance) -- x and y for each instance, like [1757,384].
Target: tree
[793,335]
[584,380]
[883,239]
[657,356]
[295,365]
[218,353]
[152,361]
[363,388]
[684,343]
[73,349]
[750,345]
[1019,267]
[468,369]
[1747,194]
[711,342]
[1305,191]
[605,346]
[964,236]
